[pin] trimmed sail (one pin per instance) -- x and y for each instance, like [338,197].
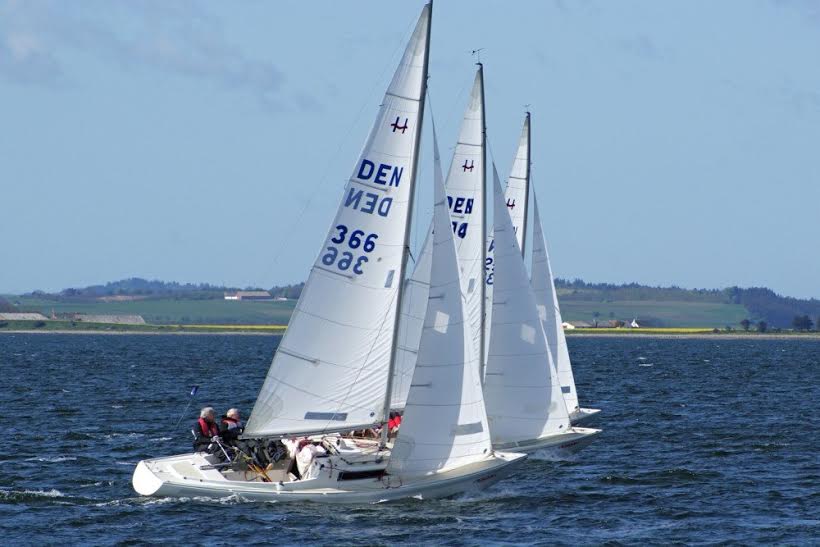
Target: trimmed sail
[413,310]
[517,193]
[445,423]
[546,299]
[516,197]
[521,387]
[330,370]
[465,202]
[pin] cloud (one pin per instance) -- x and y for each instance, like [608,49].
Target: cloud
[171,37]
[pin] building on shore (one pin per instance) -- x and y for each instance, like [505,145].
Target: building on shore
[258,296]
[109,318]
[22,316]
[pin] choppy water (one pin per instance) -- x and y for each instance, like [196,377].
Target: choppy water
[704,441]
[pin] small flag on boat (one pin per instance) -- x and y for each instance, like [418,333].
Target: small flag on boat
[194,389]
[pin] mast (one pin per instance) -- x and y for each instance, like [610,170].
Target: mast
[526,190]
[482,333]
[406,246]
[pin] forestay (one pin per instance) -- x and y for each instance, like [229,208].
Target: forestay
[546,299]
[445,423]
[465,201]
[330,370]
[521,388]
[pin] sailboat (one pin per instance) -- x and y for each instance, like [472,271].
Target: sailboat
[525,406]
[334,368]
[546,298]
[517,199]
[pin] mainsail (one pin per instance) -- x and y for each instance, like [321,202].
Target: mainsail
[516,198]
[445,423]
[546,298]
[331,370]
[521,387]
[465,200]
[518,186]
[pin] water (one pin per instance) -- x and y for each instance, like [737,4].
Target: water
[704,441]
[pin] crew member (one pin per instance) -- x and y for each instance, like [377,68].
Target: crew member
[205,430]
[231,426]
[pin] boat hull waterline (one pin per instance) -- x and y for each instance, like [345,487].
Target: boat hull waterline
[561,445]
[165,477]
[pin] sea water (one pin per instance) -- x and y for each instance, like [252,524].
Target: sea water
[705,440]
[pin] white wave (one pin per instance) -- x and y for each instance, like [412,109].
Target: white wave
[53,493]
[156,439]
[55,459]
[646,364]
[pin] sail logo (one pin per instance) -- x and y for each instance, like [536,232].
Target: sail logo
[510,203]
[396,127]
[468,167]
[385,174]
[462,206]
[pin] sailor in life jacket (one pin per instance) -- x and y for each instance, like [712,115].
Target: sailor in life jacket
[205,430]
[231,426]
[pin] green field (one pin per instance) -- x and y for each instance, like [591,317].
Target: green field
[172,311]
[167,311]
[670,314]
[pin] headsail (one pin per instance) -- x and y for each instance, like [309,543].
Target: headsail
[445,423]
[546,298]
[465,199]
[330,372]
[521,385]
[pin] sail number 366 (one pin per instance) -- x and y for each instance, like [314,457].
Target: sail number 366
[345,259]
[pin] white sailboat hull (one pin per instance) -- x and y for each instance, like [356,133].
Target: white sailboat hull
[183,476]
[583,415]
[559,445]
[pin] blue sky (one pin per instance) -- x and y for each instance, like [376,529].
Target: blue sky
[673,142]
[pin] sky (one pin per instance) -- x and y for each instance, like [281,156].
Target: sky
[674,143]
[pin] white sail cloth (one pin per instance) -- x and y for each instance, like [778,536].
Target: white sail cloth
[465,203]
[445,422]
[546,299]
[521,388]
[516,198]
[330,370]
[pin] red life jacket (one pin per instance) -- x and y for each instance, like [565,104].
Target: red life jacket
[209,430]
[229,422]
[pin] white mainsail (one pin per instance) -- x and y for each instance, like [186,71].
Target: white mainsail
[518,184]
[465,199]
[546,299]
[330,372]
[521,387]
[516,198]
[445,422]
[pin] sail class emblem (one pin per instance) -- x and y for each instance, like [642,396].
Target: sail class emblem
[395,125]
[510,204]
[468,167]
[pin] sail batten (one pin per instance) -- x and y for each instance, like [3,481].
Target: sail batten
[344,316]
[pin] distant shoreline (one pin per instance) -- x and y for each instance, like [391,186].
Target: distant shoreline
[271,332]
